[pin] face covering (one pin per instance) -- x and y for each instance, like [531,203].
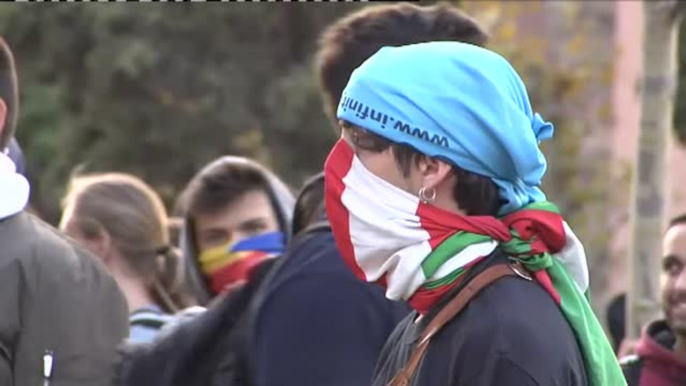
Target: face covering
[419,252]
[232,263]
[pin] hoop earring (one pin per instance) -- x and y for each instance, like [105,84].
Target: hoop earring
[427,199]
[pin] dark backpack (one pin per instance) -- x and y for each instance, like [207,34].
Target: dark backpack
[206,350]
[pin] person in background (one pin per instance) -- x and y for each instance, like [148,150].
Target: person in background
[616,320]
[61,314]
[237,218]
[309,206]
[236,214]
[659,357]
[121,220]
[311,302]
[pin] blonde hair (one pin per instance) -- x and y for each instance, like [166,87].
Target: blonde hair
[136,221]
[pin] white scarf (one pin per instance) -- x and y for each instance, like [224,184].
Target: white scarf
[14,188]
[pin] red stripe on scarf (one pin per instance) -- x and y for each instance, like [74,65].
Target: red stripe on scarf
[544,227]
[238,271]
[338,164]
[441,224]
[543,278]
[424,299]
[548,234]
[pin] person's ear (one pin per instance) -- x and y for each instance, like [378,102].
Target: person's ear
[3,118]
[97,240]
[102,245]
[433,172]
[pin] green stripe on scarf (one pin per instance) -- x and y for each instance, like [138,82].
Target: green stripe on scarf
[449,248]
[602,367]
[601,363]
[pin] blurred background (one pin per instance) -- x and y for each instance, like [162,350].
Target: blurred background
[158,90]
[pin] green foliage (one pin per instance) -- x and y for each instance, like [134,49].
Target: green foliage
[568,72]
[159,90]
[680,102]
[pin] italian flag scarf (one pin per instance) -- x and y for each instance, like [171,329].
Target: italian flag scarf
[418,252]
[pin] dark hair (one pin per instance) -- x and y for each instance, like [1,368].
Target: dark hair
[219,185]
[477,195]
[616,320]
[134,217]
[8,93]
[678,220]
[350,41]
[309,206]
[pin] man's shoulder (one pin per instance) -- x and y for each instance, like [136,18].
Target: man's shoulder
[310,257]
[513,319]
[47,255]
[397,350]
[509,304]
[30,238]
[514,313]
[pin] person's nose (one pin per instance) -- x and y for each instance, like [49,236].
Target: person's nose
[680,284]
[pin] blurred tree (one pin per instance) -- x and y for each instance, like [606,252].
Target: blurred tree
[680,101]
[650,194]
[560,50]
[159,90]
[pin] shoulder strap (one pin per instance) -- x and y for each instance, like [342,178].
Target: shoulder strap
[479,282]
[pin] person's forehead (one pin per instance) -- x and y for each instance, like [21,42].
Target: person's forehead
[674,241]
[254,204]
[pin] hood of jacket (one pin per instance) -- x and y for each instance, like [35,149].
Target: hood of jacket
[282,201]
[656,350]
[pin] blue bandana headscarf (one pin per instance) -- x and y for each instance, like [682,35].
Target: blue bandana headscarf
[458,102]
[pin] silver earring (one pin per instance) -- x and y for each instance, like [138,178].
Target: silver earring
[427,198]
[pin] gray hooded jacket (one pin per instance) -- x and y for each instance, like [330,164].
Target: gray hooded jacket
[282,201]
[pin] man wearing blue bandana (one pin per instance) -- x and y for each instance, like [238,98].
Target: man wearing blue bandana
[434,193]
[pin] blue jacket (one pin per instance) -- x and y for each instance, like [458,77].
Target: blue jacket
[146,322]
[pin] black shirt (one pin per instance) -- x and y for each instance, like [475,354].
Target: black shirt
[511,333]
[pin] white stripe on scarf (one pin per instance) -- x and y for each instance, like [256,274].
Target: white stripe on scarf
[388,237]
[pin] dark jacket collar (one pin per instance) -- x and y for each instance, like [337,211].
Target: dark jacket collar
[656,349]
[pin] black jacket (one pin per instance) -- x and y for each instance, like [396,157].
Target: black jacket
[314,323]
[208,350]
[511,333]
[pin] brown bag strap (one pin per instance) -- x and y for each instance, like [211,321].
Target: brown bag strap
[479,282]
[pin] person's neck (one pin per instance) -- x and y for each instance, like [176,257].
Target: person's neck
[135,292]
[450,206]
